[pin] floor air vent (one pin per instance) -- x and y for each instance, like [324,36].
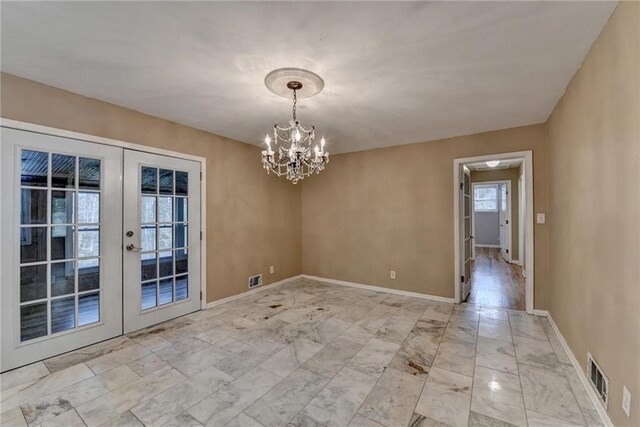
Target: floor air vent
[255,281]
[598,380]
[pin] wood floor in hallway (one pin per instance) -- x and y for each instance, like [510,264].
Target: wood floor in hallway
[495,282]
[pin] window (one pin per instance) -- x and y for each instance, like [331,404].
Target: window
[485,198]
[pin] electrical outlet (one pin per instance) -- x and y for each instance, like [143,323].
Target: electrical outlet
[392,274]
[272,269]
[540,218]
[626,401]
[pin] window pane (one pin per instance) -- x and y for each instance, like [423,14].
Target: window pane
[33,244]
[62,207]
[62,278]
[148,295]
[148,238]
[88,309]
[165,238]
[63,171]
[33,321]
[149,265]
[34,168]
[88,274]
[182,183]
[33,282]
[63,314]
[165,211]
[166,264]
[166,181]
[182,287]
[181,209]
[485,198]
[182,261]
[61,243]
[148,209]
[181,235]
[89,171]
[166,291]
[149,180]
[33,206]
[88,208]
[88,241]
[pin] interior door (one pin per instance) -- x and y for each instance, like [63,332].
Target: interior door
[467,239]
[504,222]
[161,238]
[61,248]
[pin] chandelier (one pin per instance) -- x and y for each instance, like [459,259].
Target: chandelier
[295,153]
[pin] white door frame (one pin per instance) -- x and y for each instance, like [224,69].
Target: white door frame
[473,213]
[521,219]
[31,127]
[527,157]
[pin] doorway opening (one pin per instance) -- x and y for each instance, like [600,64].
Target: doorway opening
[493,217]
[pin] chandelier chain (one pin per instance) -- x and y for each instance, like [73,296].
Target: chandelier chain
[295,101]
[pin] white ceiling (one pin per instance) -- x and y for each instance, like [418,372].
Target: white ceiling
[395,72]
[504,164]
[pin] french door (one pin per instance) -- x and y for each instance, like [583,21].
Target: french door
[161,239]
[85,258]
[61,246]
[466,237]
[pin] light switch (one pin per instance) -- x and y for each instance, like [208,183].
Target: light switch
[392,274]
[540,218]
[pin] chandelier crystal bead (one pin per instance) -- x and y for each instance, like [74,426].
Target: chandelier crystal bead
[295,153]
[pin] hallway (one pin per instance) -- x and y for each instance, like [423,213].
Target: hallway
[495,282]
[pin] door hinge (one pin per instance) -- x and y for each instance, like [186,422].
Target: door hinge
[461,279]
[506,222]
[507,250]
[201,235]
[200,295]
[200,176]
[461,186]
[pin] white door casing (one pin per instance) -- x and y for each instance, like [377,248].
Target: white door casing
[58,302]
[505,237]
[159,263]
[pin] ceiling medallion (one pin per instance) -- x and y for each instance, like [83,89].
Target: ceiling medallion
[296,153]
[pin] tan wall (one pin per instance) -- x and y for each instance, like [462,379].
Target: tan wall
[512,175]
[253,220]
[594,142]
[392,209]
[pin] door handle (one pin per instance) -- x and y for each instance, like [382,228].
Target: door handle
[131,248]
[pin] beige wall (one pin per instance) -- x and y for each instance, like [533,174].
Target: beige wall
[594,158]
[392,209]
[253,220]
[512,175]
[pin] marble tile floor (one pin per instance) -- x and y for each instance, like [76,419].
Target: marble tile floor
[311,354]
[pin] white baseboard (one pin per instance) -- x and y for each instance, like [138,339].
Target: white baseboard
[578,368]
[379,288]
[253,291]
[487,246]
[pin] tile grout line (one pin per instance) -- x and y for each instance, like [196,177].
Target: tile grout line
[475,358]
[385,369]
[524,404]
[434,358]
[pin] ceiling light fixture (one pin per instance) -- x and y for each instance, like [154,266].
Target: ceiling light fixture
[492,163]
[296,154]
